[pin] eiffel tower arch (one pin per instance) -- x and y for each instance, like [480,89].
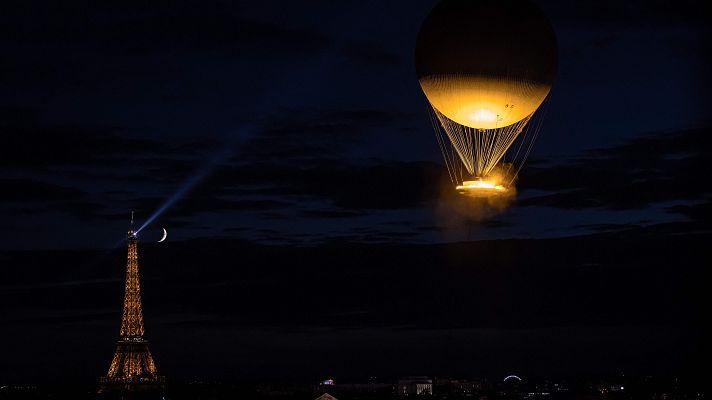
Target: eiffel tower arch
[132,368]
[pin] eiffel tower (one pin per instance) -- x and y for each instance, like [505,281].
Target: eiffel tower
[132,369]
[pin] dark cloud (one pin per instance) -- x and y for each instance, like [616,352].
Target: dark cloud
[700,213]
[190,23]
[658,13]
[295,154]
[328,190]
[386,185]
[23,191]
[331,214]
[371,53]
[67,147]
[431,228]
[32,197]
[607,227]
[647,170]
[644,171]
[296,135]
[205,200]
[490,223]
[374,185]
[31,144]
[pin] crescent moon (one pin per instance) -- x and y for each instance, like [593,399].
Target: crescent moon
[165,234]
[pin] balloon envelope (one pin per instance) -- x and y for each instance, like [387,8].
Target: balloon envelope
[486,64]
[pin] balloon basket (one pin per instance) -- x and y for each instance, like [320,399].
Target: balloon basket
[481,188]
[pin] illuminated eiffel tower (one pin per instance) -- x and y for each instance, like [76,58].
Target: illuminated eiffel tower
[132,368]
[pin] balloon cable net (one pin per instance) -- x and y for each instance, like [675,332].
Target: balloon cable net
[475,153]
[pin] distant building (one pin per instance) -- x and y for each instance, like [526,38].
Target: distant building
[456,387]
[349,389]
[608,387]
[415,386]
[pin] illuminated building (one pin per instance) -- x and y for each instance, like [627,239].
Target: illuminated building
[132,368]
[456,387]
[415,385]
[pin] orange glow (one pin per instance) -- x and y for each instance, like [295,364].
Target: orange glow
[483,102]
[481,188]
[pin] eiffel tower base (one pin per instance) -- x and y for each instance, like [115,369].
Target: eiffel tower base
[132,374]
[134,389]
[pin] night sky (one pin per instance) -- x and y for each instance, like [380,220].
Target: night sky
[316,237]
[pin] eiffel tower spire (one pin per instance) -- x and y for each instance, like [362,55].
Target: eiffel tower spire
[132,367]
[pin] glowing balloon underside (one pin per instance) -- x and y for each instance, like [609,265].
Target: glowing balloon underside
[483,102]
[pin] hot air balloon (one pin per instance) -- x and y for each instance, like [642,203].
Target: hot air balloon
[485,67]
